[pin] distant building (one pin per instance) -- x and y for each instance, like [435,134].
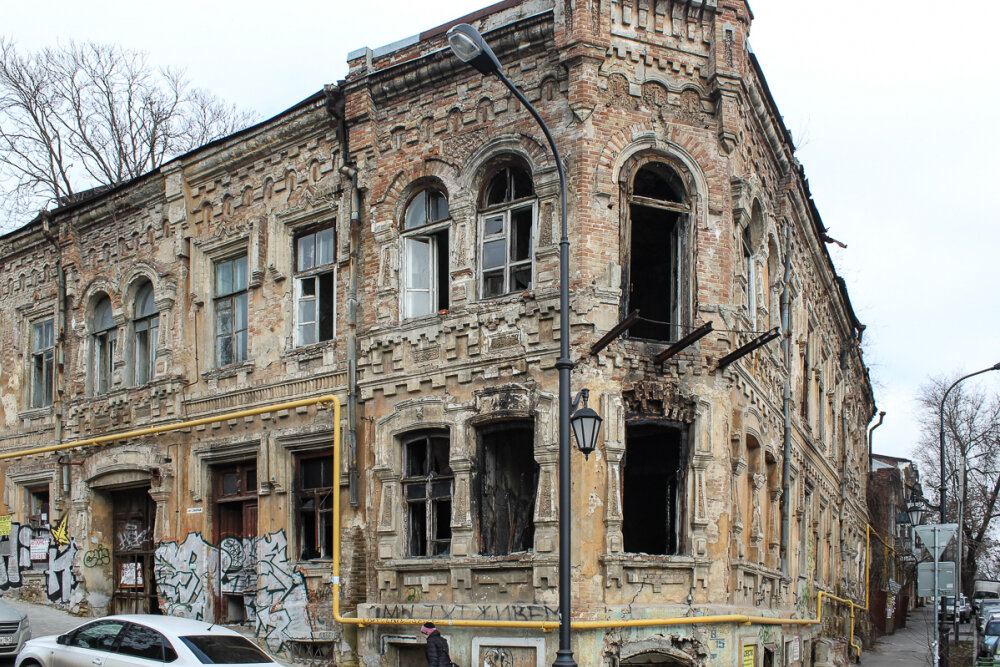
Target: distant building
[393,240]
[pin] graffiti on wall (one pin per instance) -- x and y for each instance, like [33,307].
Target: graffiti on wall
[15,558]
[97,557]
[190,573]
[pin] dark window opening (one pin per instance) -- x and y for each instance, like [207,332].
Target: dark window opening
[38,510]
[105,337]
[653,272]
[657,181]
[314,497]
[427,489]
[42,363]
[146,327]
[507,481]
[506,233]
[507,185]
[652,478]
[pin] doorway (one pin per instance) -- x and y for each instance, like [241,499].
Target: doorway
[134,515]
[235,493]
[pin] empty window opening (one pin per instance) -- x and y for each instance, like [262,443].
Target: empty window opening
[425,254]
[146,327]
[315,287]
[427,488]
[314,497]
[42,363]
[657,210]
[507,481]
[105,336]
[506,232]
[652,478]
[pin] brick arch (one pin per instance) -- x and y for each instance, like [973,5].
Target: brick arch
[433,169]
[531,149]
[139,273]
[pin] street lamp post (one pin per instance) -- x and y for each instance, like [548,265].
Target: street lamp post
[943,507]
[470,47]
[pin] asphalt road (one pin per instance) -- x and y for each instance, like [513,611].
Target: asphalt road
[46,620]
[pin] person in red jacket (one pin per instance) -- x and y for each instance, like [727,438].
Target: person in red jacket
[437,647]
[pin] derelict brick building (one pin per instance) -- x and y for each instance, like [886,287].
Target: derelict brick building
[393,240]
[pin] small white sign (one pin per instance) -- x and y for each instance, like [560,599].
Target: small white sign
[38,548]
[795,650]
[195,510]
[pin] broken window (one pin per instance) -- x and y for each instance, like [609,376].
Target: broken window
[750,284]
[652,479]
[231,311]
[427,487]
[42,363]
[507,224]
[315,279]
[507,479]
[425,254]
[38,507]
[657,207]
[146,327]
[104,337]
[314,499]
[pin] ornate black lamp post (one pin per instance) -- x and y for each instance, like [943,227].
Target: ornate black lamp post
[470,47]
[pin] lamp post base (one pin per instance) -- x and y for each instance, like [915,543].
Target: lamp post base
[564,658]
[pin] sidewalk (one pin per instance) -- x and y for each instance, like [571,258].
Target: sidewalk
[910,646]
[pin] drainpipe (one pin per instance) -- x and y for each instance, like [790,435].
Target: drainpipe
[335,105]
[60,325]
[786,462]
[881,416]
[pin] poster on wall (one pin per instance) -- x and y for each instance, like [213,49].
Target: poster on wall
[4,525]
[39,548]
[795,649]
[750,656]
[131,575]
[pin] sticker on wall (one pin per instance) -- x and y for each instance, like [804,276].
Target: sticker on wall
[4,525]
[750,656]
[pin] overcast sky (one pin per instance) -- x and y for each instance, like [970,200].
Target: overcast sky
[893,104]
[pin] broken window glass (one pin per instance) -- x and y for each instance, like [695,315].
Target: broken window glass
[42,363]
[507,232]
[314,497]
[425,254]
[314,287]
[427,490]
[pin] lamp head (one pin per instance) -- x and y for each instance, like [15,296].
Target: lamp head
[470,47]
[586,426]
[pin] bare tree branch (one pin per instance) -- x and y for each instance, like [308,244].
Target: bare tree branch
[87,115]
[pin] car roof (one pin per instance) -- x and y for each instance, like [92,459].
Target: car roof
[174,625]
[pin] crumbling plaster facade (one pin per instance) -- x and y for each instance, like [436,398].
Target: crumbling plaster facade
[662,114]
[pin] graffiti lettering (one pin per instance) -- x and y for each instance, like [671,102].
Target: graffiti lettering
[59,578]
[489,612]
[15,557]
[131,538]
[97,557]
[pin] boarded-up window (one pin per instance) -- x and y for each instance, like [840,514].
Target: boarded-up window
[507,479]
[651,488]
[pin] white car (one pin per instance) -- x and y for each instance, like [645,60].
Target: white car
[143,640]
[14,630]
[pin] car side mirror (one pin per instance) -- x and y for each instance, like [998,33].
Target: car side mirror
[62,639]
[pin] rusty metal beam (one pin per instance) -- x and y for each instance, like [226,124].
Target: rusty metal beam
[759,341]
[684,342]
[615,332]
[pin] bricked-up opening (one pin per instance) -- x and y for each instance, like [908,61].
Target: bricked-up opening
[427,488]
[314,500]
[507,479]
[652,479]
[425,254]
[507,224]
[314,287]
[657,211]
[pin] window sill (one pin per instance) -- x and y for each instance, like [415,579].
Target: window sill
[232,370]
[35,413]
[307,352]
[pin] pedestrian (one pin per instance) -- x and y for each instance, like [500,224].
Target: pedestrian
[437,647]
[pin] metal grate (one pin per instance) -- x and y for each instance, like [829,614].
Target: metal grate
[310,651]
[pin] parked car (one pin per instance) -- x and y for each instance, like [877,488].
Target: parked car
[964,610]
[991,633]
[986,609]
[143,640]
[14,629]
[982,595]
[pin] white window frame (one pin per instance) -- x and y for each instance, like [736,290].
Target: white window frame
[313,273]
[504,212]
[424,237]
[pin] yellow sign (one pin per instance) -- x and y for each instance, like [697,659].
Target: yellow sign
[750,656]
[4,525]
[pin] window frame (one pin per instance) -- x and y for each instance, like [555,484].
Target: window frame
[145,336]
[104,343]
[428,499]
[314,272]
[435,234]
[231,301]
[504,211]
[43,347]
[318,494]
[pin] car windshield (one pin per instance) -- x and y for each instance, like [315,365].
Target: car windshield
[224,650]
[993,628]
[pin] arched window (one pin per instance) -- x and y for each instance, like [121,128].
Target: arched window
[146,327]
[425,253]
[103,339]
[507,223]
[427,487]
[655,269]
